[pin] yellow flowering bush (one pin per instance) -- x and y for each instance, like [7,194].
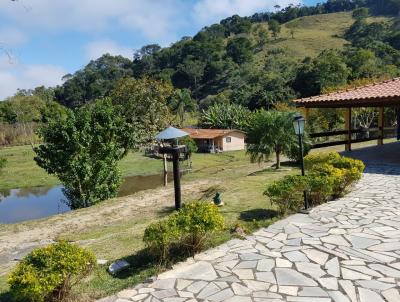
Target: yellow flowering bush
[328,175]
[49,273]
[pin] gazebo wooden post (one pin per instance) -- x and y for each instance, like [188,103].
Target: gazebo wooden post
[347,120]
[381,125]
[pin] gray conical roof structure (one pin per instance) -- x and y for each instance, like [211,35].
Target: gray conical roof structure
[171,133]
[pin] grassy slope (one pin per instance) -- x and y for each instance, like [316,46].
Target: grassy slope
[313,34]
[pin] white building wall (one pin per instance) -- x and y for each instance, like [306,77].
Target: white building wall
[236,141]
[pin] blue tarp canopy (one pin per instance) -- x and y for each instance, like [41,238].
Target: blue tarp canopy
[171,133]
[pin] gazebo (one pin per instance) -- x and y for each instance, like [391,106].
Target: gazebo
[378,95]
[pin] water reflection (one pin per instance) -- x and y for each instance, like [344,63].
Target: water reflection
[37,202]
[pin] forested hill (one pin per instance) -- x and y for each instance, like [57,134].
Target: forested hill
[260,60]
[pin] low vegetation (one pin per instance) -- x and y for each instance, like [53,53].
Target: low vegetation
[48,274]
[328,176]
[185,230]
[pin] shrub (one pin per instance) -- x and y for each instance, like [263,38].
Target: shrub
[319,187]
[287,193]
[160,235]
[49,273]
[196,220]
[344,170]
[328,174]
[188,228]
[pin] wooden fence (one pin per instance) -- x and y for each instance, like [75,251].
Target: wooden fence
[388,132]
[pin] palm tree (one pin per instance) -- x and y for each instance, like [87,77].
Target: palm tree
[269,132]
[182,102]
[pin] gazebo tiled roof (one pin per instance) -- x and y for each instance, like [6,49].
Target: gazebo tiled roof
[377,94]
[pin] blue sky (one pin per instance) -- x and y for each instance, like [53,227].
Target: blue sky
[42,40]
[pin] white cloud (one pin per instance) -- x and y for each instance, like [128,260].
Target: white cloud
[210,11]
[156,19]
[14,75]
[11,36]
[96,49]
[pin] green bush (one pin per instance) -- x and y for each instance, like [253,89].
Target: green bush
[188,228]
[287,193]
[327,174]
[344,170]
[196,220]
[160,235]
[319,187]
[49,273]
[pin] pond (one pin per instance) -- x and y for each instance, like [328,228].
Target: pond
[23,204]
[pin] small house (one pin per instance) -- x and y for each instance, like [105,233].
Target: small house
[217,140]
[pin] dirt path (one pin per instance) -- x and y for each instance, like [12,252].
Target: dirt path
[19,239]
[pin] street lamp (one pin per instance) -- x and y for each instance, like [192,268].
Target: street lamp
[298,124]
[172,134]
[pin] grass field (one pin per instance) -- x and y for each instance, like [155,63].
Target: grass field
[242,184]
[312,34]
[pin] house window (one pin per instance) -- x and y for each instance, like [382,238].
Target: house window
[228,139]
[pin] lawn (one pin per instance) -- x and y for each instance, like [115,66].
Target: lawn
[114,228]
[111,235]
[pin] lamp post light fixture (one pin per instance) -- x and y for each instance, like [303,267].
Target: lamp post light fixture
[298,124]
[172,134]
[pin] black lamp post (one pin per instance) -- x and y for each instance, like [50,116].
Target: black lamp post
[172,134]
[298,124]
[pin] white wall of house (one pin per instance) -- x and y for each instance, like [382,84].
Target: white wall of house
[233,141]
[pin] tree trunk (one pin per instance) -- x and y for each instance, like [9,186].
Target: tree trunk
[278,159]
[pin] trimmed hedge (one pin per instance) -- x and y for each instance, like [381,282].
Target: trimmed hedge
[188,228]
[328,175]
[49,273]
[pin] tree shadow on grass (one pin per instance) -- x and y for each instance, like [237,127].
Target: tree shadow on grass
[258,214]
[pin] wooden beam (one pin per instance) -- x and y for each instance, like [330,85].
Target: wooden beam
[347,120]
[381,125]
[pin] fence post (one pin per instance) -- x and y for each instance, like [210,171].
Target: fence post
[381,125]
[347,119]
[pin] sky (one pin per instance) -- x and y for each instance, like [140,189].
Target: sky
[42,40]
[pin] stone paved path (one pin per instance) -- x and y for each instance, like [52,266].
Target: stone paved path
[347,250]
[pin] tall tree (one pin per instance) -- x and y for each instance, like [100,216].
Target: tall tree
[270,132]
[94,81]
[83,151]
[144,104]
[182,102]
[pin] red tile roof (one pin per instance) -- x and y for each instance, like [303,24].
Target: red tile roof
[374,93]
[208,133]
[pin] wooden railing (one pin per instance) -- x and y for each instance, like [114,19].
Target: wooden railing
[389,132]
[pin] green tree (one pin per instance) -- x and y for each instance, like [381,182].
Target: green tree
[94,81]
[360,13]
[144,104]
[275,27]
[83,151]
[225,116]
[182,102]
[240,50]
[270,132]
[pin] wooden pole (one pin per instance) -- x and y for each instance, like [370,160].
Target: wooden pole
[347,119]
[381,125]
[165,163]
